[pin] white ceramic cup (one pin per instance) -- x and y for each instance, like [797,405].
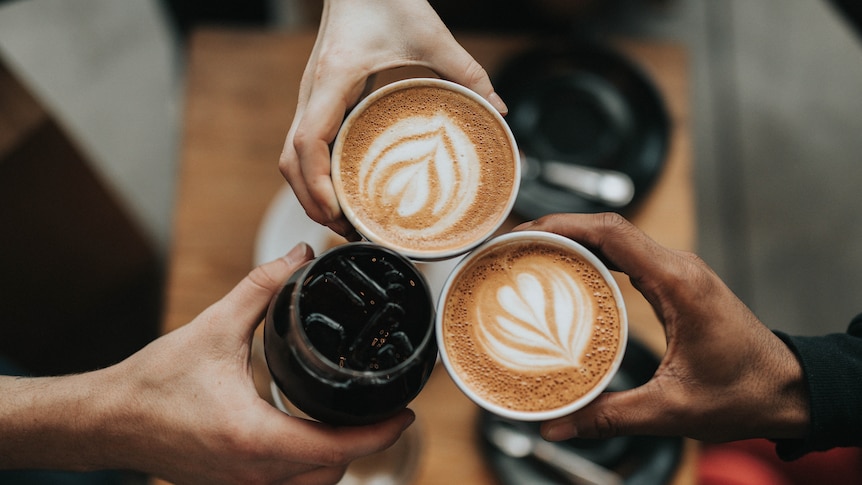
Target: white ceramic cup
[428,160]
[535,305]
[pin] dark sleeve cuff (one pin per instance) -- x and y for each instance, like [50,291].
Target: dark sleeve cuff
[832,365]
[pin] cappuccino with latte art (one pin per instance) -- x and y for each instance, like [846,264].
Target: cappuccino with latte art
[425,167]
[531,326]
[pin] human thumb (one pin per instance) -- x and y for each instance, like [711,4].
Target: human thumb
[632,412]
[250,297]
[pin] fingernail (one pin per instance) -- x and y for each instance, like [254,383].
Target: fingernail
[298,252]
[559,431]
[497,102]
[524,225]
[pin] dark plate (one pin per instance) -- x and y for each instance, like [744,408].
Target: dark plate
[584,103]
[641,460]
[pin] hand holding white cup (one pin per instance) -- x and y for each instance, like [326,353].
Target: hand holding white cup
[425,167]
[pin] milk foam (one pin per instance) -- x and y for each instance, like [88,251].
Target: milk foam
[541,321]
[426,169]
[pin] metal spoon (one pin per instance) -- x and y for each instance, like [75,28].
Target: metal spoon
[609,187]
[578,469]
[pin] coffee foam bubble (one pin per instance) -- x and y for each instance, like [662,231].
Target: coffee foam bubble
[425,167]
[530,327]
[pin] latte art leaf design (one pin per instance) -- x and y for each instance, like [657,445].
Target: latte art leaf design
[425,170]
[533,323]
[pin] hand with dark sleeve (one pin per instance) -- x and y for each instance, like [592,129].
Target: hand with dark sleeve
[725,376]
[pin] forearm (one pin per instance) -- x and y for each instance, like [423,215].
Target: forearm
[52,422]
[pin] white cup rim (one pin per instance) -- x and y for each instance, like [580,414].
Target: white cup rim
[362,228]
[561,410]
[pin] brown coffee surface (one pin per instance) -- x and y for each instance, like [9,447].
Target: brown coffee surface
[531,326]
[427,169]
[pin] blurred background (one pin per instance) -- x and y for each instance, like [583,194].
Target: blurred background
[91,104]
[777,118]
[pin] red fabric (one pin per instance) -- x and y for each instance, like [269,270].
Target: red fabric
[754,462]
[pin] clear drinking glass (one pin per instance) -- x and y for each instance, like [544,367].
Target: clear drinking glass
[349,339]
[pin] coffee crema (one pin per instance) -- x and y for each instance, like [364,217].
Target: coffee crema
[530,326]
[425,169]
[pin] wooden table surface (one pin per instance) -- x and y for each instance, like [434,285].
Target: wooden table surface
[241,91]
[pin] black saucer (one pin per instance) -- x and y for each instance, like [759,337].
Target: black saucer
[641,460]
[582,102]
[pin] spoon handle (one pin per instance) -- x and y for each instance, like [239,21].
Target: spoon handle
[577,468]
[610,187]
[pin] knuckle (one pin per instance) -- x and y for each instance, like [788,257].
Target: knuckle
[317,188]
[555,222]
[334,457]
[262,276]
[286,161]
[604,426]
[237,441]
[612,227]
[475,73]
[613,222]
[695,274]
[550,219]
[302,138]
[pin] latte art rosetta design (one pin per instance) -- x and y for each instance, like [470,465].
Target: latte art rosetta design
[542,320]
[426,170]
